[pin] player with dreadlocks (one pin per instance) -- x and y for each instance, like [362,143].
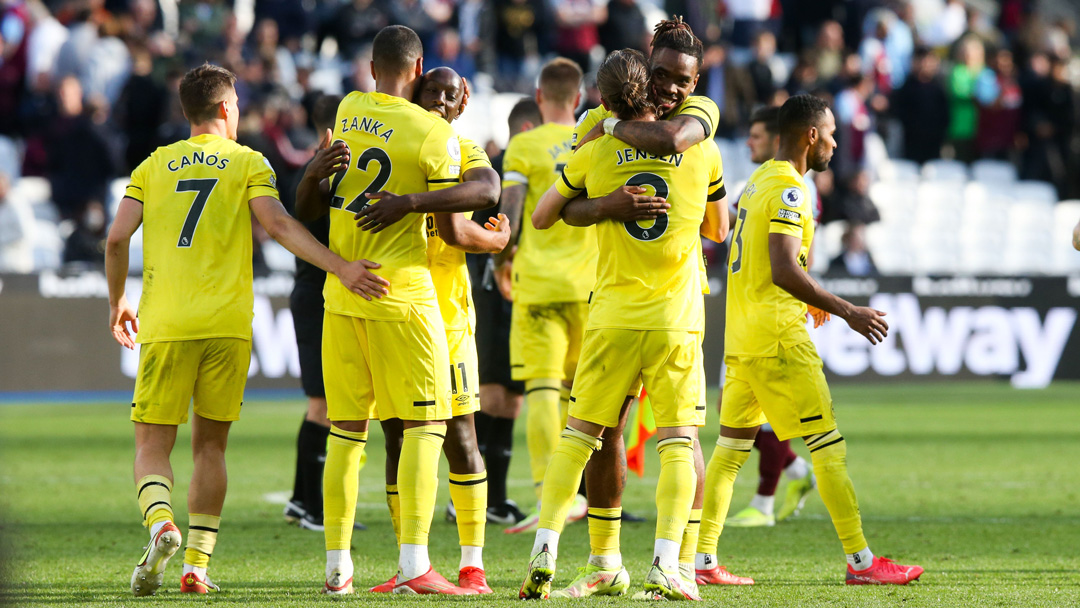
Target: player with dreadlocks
[686,121]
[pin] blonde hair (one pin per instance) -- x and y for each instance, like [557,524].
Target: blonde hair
[560,80]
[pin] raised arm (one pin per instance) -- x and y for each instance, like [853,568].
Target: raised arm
[286,230]
[128,219]
[788,275]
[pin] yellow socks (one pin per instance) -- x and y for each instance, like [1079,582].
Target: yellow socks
[418,481]
[469,495]
[829,454]
[542,425]
[675,488]
[604,525]
[561,485]
[393,501]
[344,450]
[690,538]
[727,459]
[202,536]
[155,499]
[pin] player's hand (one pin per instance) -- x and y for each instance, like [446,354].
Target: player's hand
[357,276]
[869,323]
[119,317]
[390,210]
[631,204]
[328,159]
[594,133]
[819,316]
[500,224]
[465,93]
[504,277]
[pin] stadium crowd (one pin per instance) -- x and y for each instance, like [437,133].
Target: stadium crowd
[87,87]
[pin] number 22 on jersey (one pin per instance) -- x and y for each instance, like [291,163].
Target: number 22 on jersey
[377,155]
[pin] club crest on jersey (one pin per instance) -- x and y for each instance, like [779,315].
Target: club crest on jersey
[453,148]
[792,197]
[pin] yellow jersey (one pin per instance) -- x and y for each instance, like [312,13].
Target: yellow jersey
[557,264]
[448,269]
[648,276]
[197,238]
[697,106]
[397,147]
[762,315]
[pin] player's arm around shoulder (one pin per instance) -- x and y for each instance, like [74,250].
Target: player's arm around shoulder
[692,124]
[464,234]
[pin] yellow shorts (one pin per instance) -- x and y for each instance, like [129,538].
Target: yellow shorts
[464,371]
[212,371]
[403,367]
[669,363]
[545,339]
[788,391]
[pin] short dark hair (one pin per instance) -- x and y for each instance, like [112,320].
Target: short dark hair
[623,80]
[324,112]
[396,49]
[524,111]
[799,113]
[770,116]
[560,80]
[675,34]
[202,89]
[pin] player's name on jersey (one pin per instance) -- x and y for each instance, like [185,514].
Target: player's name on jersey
[368,125]
[561,148]
[629,155]
[198,158]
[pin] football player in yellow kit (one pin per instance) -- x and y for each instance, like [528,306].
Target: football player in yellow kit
[645,322]
[774,373]
[194,200]
[450,235]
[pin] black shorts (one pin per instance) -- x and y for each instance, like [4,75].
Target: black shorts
[493,339]
[306,304]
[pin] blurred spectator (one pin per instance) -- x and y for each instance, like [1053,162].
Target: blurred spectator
[11,229]
[577,28]
[423,16]
[749,18]
[625,27]
[804,78]
[963,113]
[886,49]
[999,99]
[79,162]
[354,26]
[86,244]
[922,108]
[517,39]
[449,53]
[853,122]
[1049,112]
[766,69]
[475,26]
[46,38]
[141,109]
[947,27]
[292,17]
[828,51]
[730,87]
[14,30]
[854,259]
[94,55]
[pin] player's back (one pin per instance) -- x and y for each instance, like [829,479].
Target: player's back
[197,238]
[649,275]
[763,315]
[395,147]
[557,264]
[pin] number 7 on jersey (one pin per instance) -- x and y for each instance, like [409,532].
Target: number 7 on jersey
[202,189]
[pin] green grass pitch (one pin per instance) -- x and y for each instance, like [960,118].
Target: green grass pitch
[976,482]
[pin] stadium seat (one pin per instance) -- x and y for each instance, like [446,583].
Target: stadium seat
[278,258]
[899,170]
[827,243]
[1027,253]
[945,170]
[890,245]
[895,201]
[1066,259]
[32,190]
[935,252]
[1030,216]
[48,246]
[1030,190]
[993,172]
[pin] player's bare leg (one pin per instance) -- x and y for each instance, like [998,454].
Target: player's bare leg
[153,481]
[206,496]
[344,455]
[605,481]
[468,491]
